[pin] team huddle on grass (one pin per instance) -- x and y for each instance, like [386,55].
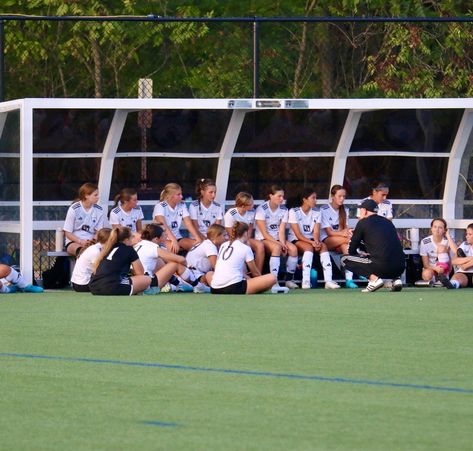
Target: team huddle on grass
[239,251]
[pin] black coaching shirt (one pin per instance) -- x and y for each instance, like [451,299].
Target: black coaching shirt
[379,237]
[114,268]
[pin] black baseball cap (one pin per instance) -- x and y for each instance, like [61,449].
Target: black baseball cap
[369,205]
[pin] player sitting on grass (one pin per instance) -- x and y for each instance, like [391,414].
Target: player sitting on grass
[16,281]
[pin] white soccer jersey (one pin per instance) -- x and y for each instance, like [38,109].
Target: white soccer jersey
[385,208]
[205,216]
[172,216]
[84,265]
[120,217]
[230,267]
[271,218]
[232,216]
[148,253]
[198,257]
[305,221]
[468,249]
[329,218]
[84,224]
[429,248]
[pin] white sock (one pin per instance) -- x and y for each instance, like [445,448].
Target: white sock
[187,275]
[327,266]
[274,263]
[16,278]
[348,275]
[455,283]
[291,264]
[307,258]
[4,289]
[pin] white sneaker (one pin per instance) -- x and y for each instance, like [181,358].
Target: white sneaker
[305,284]
[201,288]
[373,286]
[166,288]
[279,289]
[331,285]
[396,285]
[291,284]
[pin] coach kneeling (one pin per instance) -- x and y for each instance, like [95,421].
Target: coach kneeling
[382,254]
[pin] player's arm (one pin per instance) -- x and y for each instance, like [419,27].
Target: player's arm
[138,269]
[199,234]
[253,269]
[190,227]
[261,224]
[170,257]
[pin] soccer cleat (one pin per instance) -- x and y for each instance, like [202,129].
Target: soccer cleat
[201,288]
[291,284]
[305,284]
[350,284]
[373,286]
[461,253]
[31,289]
[10,289]
[184,288]
[444,280]
[396,285]
[151,291]
[437,283]
[275,289]
[331,285]
[166,288]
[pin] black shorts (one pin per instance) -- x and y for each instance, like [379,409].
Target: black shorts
[77,250]
[111,289]
[234,288]
[80,288]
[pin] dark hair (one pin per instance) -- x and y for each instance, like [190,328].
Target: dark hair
[441,220]
[238,230]
[306,193]
[117,235]
[379,186]
[470,226]
[124,195]
[342,214]
[152,231]
[202,185]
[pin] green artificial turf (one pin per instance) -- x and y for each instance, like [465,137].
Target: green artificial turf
[384,371]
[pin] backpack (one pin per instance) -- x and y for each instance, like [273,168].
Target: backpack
[59,275]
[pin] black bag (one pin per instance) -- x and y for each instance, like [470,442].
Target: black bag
[58,275]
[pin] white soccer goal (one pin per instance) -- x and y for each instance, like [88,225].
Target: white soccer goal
[422,146]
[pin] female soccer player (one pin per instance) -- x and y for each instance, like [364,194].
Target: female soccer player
[304,232]
[243,212]
[84,266]
[12,281]
[334,227]
[201,259]
[429,250]
[84,219]
[205,211]
[379,194]
[271,219]
[171,212]
[112,266]
[126,211]
[233,258]
[463,260]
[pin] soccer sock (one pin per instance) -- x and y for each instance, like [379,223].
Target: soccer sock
[327,266]
[16,278]
[4,289]
[455,283]
[189,277]
[307,258]
[291,267]
[348,275]
[174,280]
[274,263]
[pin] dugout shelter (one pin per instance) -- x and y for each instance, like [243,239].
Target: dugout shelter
[49,147]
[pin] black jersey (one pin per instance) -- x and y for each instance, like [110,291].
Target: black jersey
[379,237]
[114,268]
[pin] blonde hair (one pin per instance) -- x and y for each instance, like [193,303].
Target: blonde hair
[214,231]
[242,199]
[169,189]
[117,235]
[124,195]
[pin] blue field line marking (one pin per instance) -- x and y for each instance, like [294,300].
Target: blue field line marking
[340,380]
[162,424]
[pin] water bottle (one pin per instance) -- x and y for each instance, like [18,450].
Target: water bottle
[313,278]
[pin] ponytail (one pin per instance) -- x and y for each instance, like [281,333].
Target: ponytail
[202,185]
[342,214]
[238,230]
[152,231]
[117,235]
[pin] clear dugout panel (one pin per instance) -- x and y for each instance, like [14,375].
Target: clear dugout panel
[291,131]
[257,175]
[407,130]
[185,131]
[464,196]
[10,166]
